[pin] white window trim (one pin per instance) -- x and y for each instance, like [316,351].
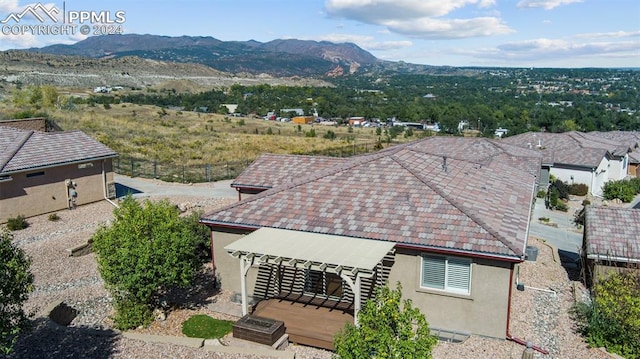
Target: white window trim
[447,289]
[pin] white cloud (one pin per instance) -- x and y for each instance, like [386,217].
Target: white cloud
[612,34]
[9,6]
[431,28]
[545,4]
[562,49]
[421,18]
[379,11]
[18,41]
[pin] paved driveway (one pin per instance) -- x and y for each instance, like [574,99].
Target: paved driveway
[565,236]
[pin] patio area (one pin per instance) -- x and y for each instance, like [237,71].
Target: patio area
[306,321]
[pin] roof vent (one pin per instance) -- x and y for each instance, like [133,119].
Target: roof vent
[444,163]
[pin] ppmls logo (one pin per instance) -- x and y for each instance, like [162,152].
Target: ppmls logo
[53,21]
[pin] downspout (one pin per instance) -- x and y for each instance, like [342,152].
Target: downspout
[509,336]
[104,187]
[213,257]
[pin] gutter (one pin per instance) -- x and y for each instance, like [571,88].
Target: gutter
[58,164]
[503,258]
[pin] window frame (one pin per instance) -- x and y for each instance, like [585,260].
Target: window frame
[446,287]
[323,281]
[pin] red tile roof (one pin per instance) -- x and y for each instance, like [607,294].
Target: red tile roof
[569,148]
[613,232]
[22,150]
[473,201]
[270,170]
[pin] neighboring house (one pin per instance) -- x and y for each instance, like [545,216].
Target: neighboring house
[274,170]
[630,139]
[576,157]
[40,170]
[33,124]
[634,164]
[611,241]
[448,217]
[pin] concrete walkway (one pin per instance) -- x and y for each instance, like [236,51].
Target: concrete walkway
[144,187]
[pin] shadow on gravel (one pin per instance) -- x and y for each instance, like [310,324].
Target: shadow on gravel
[122,190]
[199,294]
[50,340]
[570,261]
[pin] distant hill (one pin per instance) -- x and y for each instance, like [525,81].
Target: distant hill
[277,58]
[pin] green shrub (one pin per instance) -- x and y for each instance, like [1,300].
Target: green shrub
[330,135]
[53,217]
[17,223]
[612,318]
[203,326]
[389,327]
[562,188]
[131,314]
[561,206]
[622,190]
[541,194]
[578,189]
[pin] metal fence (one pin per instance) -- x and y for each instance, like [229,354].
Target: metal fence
[178,172]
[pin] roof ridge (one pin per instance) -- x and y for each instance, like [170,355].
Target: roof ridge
[8,155]
[460,207]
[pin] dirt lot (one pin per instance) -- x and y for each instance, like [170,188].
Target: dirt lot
[539,314]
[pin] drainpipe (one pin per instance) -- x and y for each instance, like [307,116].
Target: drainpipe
[509,336]
[104,187]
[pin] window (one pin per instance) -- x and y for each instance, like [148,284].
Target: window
[323,283]
[35,174]
[446,273]
[83,166]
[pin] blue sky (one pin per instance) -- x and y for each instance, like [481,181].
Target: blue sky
[514,33]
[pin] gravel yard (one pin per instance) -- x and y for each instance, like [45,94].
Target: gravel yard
[537,315]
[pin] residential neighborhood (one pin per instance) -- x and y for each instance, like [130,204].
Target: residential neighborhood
[309,239]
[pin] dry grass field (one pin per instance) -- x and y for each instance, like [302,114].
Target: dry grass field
[153,133]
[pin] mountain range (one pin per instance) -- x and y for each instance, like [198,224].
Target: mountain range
[280,57]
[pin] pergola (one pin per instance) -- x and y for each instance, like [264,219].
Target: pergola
[350,258]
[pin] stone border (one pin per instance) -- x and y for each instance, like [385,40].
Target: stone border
[209,345]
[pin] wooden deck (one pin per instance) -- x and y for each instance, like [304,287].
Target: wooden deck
[306,322]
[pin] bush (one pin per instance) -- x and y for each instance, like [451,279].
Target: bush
[16,281]
[612,318]
[561,206]
[131,314]
[562,188]
[578,189]
[53,217]
[389,327]
[622,190]
[203,326]
[541,194]
[147,250]
[17,223]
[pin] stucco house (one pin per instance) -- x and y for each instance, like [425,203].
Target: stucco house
[448,217]
[611,241]
[630,139]
[40,170]
[577,157]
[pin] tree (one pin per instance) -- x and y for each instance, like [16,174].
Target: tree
[16,281]
[147,250]
[388,328]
